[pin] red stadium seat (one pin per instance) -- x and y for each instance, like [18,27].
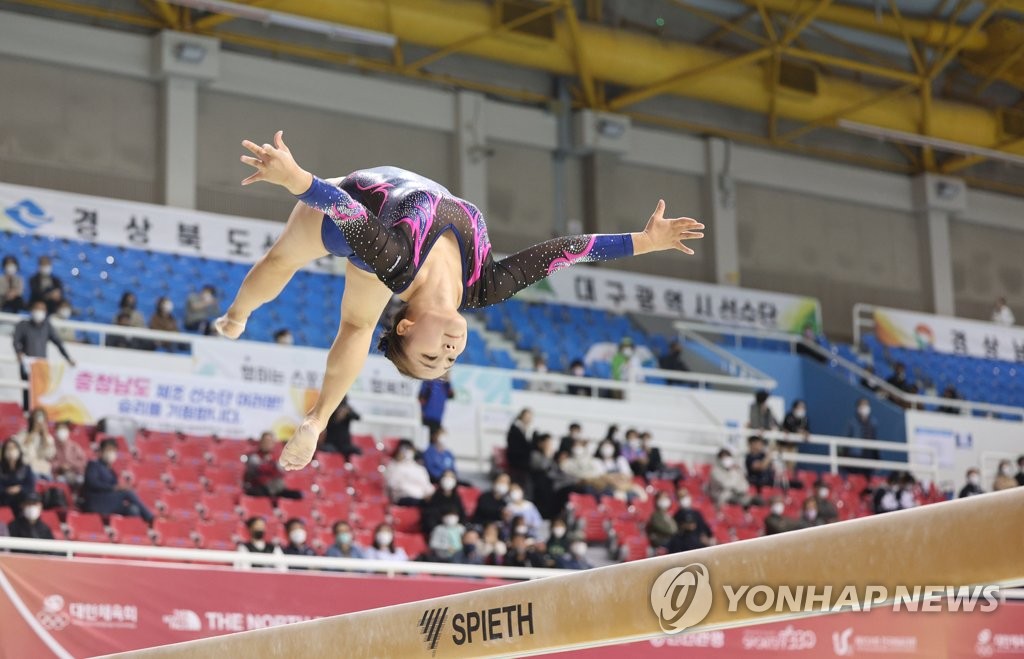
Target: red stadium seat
[190,451]
[146,473]
[226,452]
[469,496]
[581,504]
[130,530]
[635,548]
[6,515]
[255,507]
[405,519]
[173,533]
[367,515]
[180,506]
[322,539]
[389,445]
[216,506]
[185,478]
[302,481]
[499,459]
[330,511]
[331,463]
[365,443]
[42,486]
[412,543]
[217,478]
[52,520]
[301,508]
[86,527]
[594,529]
[146,445]
[217,535]
[614,508]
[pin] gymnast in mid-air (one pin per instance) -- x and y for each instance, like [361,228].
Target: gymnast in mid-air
[408,236]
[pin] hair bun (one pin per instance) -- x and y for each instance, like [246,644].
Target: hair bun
[382,343]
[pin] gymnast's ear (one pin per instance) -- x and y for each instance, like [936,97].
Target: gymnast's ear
[403,326]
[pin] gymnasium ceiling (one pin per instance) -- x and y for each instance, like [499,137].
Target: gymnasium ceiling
[907,86]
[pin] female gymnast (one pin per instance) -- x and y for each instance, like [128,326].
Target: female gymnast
[405,235]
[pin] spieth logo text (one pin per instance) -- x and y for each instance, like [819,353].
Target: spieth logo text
[469,627]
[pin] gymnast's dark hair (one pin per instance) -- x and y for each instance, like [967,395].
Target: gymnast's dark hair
[392,344]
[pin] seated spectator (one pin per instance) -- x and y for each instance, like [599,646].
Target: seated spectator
[519,444]
[27,524]
[827,511]
[69,458]
[37,445]
[692,531]
[887,497]
[632,449]
[518,506]
[900,380]
[344,545]
[437,459]
[163,320]
[338,434]
[407,481]
[1002,314]
[383,548]
[616,475]
[283,337]
[809,514]
[761,416]
[1020,470]
[653,466]
[575,433]
[611,459]
[46,287]
[470,552]
[16,478]
[263,476]
[446,537]
[577,369]
[521,553]
[576,559]
[445,497]
[257,542]
[12,287]
[777,521]
[950,393]
[492,502]
[759,464]
[114,340]
[129,306]
[728,484]
[661,526]
[540,366]
[543,471]
[973,485]
[102,491]
[492,548]
[297,538]
[796,422]
[1005,478]
[673,360]
[558,543]
[861,426]
[581,466]
[201,309]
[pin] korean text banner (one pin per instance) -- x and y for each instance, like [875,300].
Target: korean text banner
[921,331]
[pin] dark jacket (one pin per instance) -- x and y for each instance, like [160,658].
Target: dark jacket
[437,505]
[40,285]
[488,508]
[99,490]
[518,448]
[23,476]
[692,527]
[338,434]
[30,339]
[22,528]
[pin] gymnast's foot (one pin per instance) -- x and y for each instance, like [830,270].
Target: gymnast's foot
[229,328]
[300,448]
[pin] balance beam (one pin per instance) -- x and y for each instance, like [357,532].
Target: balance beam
[968,542]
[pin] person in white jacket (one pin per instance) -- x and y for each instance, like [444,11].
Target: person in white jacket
[728,483]
[1002,314]
[407,480]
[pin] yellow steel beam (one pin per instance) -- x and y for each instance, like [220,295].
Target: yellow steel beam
[832,118]
[660,87]
[766,21]
[907,39]
[163,11]
[1001,69]
[863,54]
[582,67]
[729,27]
[794,31]
[990,8]
[851,65]
[216,20]
[725,26]
[927,153]
[595,13]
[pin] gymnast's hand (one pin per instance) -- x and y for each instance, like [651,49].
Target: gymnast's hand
[663,233]
[274,164]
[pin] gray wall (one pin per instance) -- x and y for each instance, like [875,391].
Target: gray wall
[988,262]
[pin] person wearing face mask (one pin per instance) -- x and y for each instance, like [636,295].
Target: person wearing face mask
[543,471]
[728,484]
[660,525]
[625,364]
[519,506]
[492,548]
[492,502]
[796,422]
[298,539]
[129,307]
[344,545]
[827,511]
[263,476]
[69,457]
[1004,477]
[973,485]
[437,458]
[407,481]
[575,433]
[540,366]
[576,558]
[693,530]
[522,552]
[582,466]
[861,426]
[383,548]
[470,552]
[46,287]
[809,515]
[519,444]
[12,287]
[38,445]
[102,491]
[67,334]
[633,450]
[761,415]
[887,498]
[777,521]
[16,477]
[759,463]
[257,542]
[201,309]
[31,338]
[444,499]
[163,320]
[559,542]
[446,538]
[27,524]
[578,370]
[673,360]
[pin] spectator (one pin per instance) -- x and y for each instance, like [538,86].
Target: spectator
[611,459]
[446,537]
[521,553]
[1020,470]
[437,458]
[973,485]
[344,543]
[263,476]
[827,511]
[283,337]
[887,498]
[519,444]
[581,467]
[16,477]
[540,366]
[102,491]
[491,503]
[575,433]
[470,552]
[201,309]
[1002,314]
[951,393]
[383,548]
[673,360]
[777,521]
[124,319]
[37,445]
[900,380]
[27,524]
[625,363]
[163,317]
[66,334]
[519,506]
[797,423]
[434,396]
[654,467]
[761,417]
[692,531]
[445,497]
[31,337]
[129,307]
[809,514]
[46,287]
[727,483]
[759,464]
[632,449]
[69,458]
[543,471]
[12,287]
[257,542]
[338,434]
[661,526]
[578,370]
[558,543]
[870,381]
[1004,477]
[861,426]
[297,538]
[576,559]
[492,547]
[408,482]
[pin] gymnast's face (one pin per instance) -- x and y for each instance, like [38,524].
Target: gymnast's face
[433,340]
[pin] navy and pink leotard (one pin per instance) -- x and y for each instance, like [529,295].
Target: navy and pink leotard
[386,220]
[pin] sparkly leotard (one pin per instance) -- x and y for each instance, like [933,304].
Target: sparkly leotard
[386,220]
